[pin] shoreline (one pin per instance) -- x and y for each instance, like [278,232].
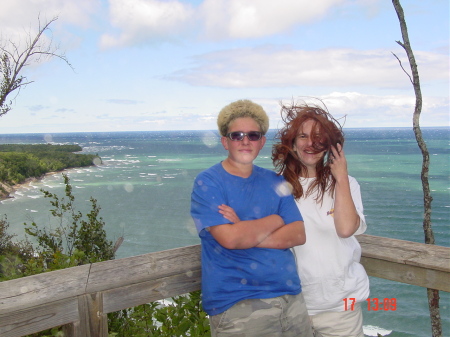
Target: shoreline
[7,190]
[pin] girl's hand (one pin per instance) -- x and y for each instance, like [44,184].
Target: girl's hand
[228,213]
[338,163]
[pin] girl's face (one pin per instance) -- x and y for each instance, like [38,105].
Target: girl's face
[304,147]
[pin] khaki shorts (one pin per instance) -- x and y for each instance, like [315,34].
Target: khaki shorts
[338,323]
[279,316]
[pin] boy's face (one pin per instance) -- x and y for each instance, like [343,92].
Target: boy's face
[243,151]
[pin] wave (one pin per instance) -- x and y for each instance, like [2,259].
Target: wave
[371,330]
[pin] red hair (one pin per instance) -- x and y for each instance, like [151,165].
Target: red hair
[328,133]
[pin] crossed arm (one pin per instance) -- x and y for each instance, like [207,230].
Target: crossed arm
[267,232]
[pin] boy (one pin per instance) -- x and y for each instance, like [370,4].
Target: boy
[247,225]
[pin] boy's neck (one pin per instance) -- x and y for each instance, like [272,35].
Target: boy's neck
[236,169]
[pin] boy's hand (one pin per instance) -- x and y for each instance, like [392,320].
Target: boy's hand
[228,213]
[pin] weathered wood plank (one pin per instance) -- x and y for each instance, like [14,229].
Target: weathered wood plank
[407,262]
[406,252]
[35,319]
[123,272]
[38,289]
[423,277]
[150,291]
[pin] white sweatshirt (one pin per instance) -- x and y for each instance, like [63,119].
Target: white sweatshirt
[328,265]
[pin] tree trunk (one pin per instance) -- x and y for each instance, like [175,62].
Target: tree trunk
[433,295]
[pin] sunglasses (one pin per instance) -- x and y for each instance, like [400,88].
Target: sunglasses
[252,136]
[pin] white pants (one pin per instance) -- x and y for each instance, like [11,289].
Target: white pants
[338,323]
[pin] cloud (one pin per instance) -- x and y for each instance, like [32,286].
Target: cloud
[256,18]
[272,66]
[142,21]
[104,116]
[123,101]
[158,113]
[139,21]
[22,15]
[153,122]
[21,20]
[37,107]
[64,110]
[354,109]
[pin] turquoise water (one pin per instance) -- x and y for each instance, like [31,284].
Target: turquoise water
[144,185]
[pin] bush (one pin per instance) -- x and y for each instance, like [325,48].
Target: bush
[80,240]
[180,316]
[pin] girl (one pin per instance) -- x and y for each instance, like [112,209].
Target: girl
[311,158]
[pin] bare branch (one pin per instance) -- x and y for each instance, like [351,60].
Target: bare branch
[401,65]
[13,59]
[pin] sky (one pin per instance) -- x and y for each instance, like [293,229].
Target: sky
[147,65]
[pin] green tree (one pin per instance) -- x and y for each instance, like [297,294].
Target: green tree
[13,59]
[12,254]
[77,239]
[21,161]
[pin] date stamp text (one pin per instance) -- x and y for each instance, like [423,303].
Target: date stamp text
[373,304]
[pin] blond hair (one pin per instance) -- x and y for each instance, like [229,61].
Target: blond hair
[242,108]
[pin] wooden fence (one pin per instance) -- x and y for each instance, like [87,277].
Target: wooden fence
[80,297]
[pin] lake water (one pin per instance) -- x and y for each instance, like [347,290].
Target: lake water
[145,181]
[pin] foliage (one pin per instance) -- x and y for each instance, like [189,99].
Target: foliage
[12,254]
[5,238]
[7,85]
[79,240]
[19,162]
[182,316]
[39,148]
[75,241]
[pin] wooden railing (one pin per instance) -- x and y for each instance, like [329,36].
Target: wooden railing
[80,297]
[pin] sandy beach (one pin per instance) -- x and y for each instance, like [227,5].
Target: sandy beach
[6,190]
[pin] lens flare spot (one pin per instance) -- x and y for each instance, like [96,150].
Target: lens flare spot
[257,210]
[97,161]
[48,138]
[190,226]
[128,187]
[284,189]
[210,139]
